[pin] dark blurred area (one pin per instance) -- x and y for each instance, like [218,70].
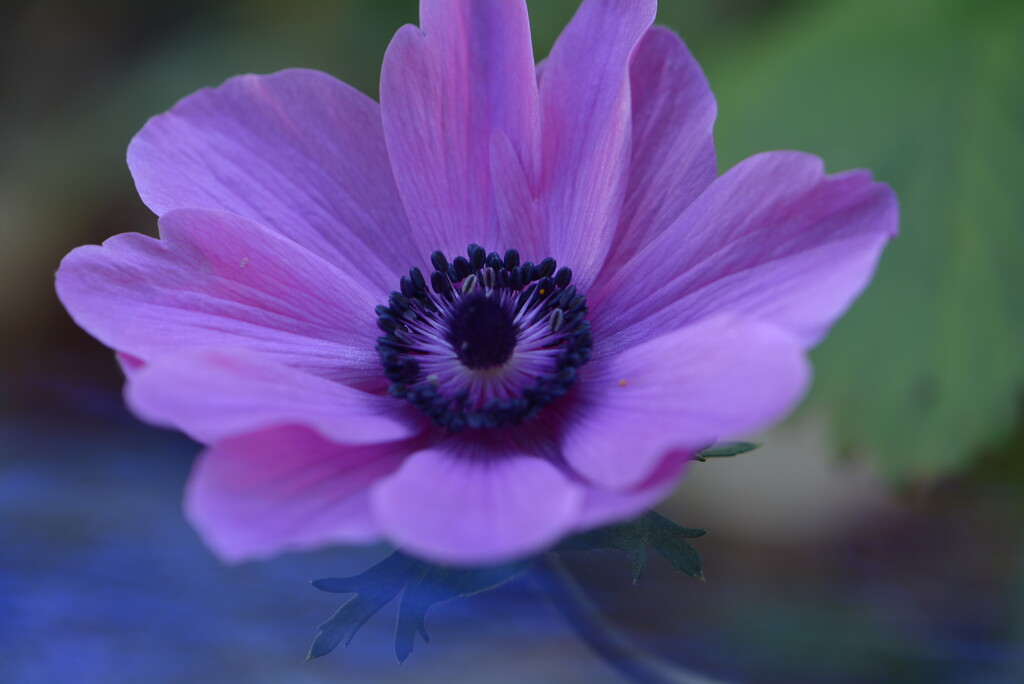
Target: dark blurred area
[877,537]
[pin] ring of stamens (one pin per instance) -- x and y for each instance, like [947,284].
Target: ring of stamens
[488,342]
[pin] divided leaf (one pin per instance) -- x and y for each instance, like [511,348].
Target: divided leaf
[632,539]
[423,585]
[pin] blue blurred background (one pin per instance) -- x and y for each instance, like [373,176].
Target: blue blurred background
[877,537]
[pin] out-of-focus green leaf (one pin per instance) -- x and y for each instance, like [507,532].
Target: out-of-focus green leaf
[633,537]
[421,584]
[726,449]
[926,367]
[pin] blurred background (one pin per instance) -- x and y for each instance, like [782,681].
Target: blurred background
[878,536]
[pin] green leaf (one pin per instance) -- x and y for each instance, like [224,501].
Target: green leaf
[632,539]
[440,584]
[421,584]
[373,590]
[727,449]
[925,368]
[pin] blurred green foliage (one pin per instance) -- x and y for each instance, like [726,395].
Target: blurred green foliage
[928,366]
[924,371]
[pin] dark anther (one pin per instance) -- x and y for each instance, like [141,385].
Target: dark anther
[438,261]
[462,268]
[439,282]
[556,320]
[563,277]
[389,343]
[408,289]
[546,267]
[511,259]
[398,301]
[515,278]
[477,255]
[387,324]
[563,297]
[494,261]
[529,272]
[416,275]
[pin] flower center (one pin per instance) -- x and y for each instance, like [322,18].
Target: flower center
[482,332]
[490,342]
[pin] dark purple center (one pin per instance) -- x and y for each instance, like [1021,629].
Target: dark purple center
[482,331]
[484,341]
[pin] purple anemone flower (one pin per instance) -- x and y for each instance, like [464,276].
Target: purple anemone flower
[508,303]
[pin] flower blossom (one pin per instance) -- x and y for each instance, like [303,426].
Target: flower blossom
[509,302]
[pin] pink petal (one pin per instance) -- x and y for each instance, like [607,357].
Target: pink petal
[473,506]
[286,489]
[128,363]
[681,391]
[213,394]
[444,89]
[673,159]
[298,151]
[774,238]
[220,280]
[585,125]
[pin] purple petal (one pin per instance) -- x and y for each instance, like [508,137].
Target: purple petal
[213,394]
[286,489]
[475,507]
[516,209]
[220,280]
[719,378]
[774,238]
[585,125]
[444,89]
[128,363]
[298,151]
[607,506]
[673,159]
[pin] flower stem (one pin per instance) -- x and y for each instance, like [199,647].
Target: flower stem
[637,665]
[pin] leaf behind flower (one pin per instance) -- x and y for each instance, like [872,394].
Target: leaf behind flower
[926,368]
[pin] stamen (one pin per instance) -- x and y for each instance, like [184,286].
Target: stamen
[476,256]
[490,342]
[439,282]
[416,276]
[556,320]
[438,261]
[511,259]
[563,277]
[546,267]
[489,278]
[461,267]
